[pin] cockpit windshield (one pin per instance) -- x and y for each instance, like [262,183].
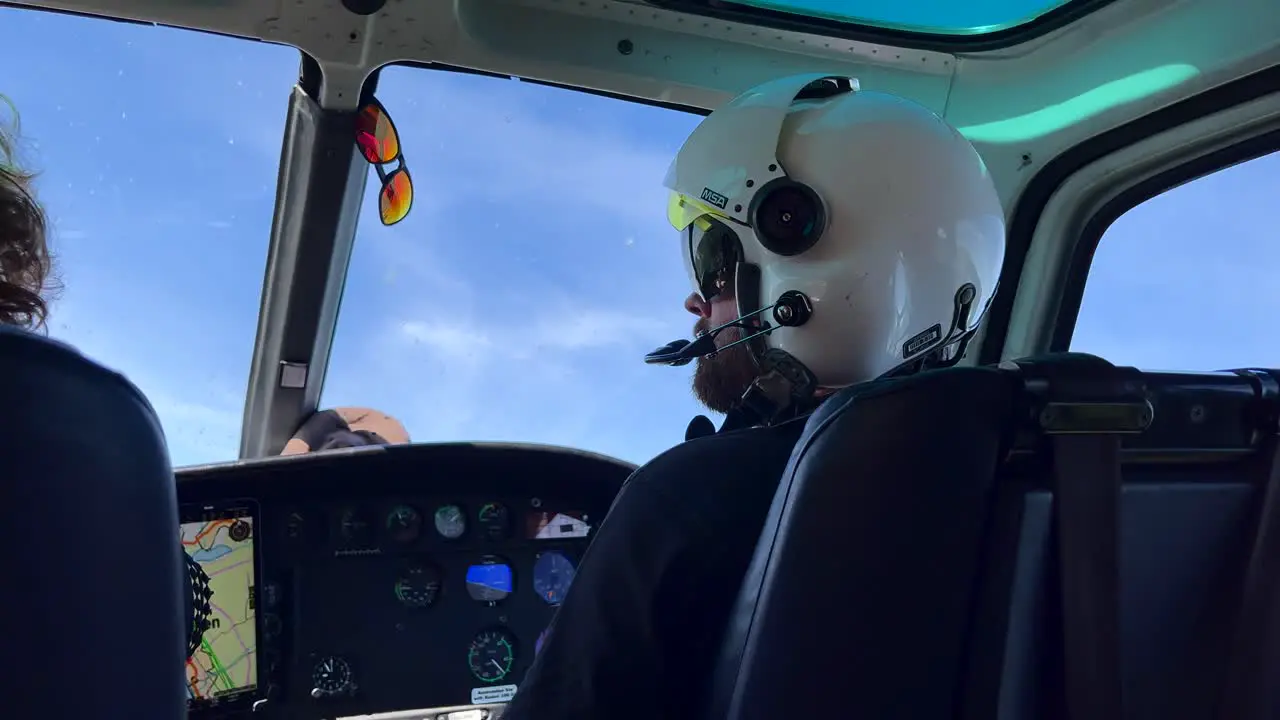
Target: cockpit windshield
[533,272]
[513,303]
[157,152]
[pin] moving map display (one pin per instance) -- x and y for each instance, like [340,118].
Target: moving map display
[223,663]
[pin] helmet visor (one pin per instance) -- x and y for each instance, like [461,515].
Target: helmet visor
[712,249]
[713,253]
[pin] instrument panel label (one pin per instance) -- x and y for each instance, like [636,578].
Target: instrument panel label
[492,694]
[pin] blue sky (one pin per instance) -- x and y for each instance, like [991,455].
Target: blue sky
[510,305]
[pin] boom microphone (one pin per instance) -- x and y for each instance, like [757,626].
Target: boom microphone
[682,352]
[792,309]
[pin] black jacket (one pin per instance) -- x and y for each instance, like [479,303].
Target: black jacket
[638,634]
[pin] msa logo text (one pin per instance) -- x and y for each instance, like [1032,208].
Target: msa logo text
[714,198]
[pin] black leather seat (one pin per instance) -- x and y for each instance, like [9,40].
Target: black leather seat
[907,568]
[858,601]
[93,578]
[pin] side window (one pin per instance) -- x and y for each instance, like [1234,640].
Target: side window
[1190,279]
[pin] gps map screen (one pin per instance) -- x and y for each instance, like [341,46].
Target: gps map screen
[224,663]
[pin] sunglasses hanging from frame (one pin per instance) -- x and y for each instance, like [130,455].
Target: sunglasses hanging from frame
[379,143]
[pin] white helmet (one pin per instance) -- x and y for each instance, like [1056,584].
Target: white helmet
[864,232]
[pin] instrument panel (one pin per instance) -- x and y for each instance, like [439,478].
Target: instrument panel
[381,579]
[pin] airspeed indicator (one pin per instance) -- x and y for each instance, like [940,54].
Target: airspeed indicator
[491,655]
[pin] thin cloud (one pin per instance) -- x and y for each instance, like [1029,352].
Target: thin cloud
[450,122]
[200,430]
[589,329]
[595,328]
[196,432]
[453,341]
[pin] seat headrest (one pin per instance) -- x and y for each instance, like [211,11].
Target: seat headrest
[92,567]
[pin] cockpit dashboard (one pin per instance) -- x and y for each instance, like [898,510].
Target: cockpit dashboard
[376,580]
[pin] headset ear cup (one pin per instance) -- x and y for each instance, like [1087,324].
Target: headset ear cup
[788,217]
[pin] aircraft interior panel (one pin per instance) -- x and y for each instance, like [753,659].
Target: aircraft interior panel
[428,583]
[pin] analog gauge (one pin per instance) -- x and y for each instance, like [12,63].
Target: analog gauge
[418,586]
[552,575]
[489,580]
[450,522]
[494,520]
[331,676]
[491,655]
[295,525]
[354,525]
[403,524]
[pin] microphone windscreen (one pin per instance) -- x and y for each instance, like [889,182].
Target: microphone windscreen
[699,426]
[669,354]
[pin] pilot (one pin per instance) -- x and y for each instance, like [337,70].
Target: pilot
[25,265]
[832,236]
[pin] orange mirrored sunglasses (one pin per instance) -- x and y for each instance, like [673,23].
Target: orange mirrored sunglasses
[379,142]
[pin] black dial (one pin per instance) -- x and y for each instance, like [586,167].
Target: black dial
[494,521]
[492,655]
[355,526]
[404,523]
[331,676]
[418,586]
[239,530]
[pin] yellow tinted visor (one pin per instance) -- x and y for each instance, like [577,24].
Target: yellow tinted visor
[683,210]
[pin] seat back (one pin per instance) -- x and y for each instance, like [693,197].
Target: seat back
[859,598]
[908,567]
[93,584]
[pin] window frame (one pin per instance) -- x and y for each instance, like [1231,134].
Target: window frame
[729,11]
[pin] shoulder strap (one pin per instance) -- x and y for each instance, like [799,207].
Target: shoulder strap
[1248,692]
[1086,470]
[1084,405]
